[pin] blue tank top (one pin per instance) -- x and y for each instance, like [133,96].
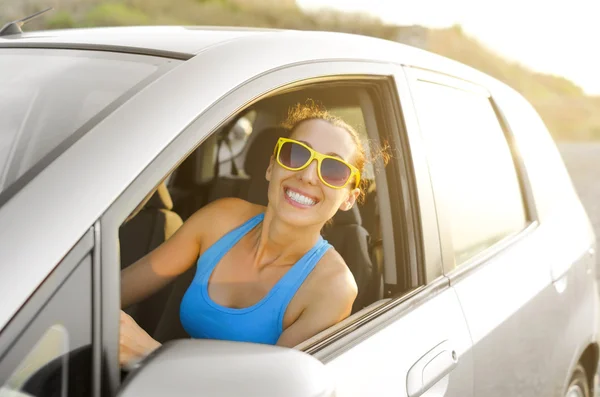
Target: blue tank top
[262,322]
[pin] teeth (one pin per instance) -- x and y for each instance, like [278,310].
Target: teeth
[297,197]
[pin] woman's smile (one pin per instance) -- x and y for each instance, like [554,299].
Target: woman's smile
[298,198]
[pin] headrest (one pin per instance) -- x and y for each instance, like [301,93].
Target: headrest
[161,199]
[261,149]
[350,217]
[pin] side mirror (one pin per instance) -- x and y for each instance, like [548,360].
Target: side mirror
[197,368]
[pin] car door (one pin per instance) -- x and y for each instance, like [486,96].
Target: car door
[418,346]
[419,343]
[490,238]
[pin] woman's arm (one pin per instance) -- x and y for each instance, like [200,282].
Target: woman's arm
[161,265]
[166,262]
[148,275]
[176,255]
[328,307]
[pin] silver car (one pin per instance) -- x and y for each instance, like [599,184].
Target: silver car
[473,255]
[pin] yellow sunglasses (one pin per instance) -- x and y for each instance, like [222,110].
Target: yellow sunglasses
[333,171]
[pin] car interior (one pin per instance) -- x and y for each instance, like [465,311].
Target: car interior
[232,163]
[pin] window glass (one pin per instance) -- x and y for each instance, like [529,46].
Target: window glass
[53,355]
[47,95]
[52,346]
[472,167]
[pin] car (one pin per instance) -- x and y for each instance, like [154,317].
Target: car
[473,255]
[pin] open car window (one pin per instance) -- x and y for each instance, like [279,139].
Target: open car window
[236,168]
[236,138]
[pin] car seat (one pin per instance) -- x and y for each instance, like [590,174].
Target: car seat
[147,228]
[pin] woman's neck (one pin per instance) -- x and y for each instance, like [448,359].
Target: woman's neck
[279,243]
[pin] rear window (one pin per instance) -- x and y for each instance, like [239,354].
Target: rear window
[51,97]
[471,166]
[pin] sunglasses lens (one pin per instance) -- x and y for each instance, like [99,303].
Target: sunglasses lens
[293,155]
[334,172]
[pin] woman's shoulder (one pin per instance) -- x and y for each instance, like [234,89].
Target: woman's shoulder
[334,276]
[224,214]
[234,208]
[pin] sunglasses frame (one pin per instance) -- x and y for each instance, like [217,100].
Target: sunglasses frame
[354,172]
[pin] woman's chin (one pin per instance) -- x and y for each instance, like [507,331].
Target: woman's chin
[299,215]
[296,220]
[299,218]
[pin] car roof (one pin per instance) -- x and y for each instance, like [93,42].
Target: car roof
[184,42]
[177,41]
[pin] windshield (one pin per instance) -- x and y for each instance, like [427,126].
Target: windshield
[50,97]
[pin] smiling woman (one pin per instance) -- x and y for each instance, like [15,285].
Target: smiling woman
[265,274]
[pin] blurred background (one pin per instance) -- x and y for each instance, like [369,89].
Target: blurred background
[543,49]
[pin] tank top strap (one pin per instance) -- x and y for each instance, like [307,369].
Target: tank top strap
[293,278]
[215,252]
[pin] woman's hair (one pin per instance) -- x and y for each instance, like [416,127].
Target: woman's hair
[300,113]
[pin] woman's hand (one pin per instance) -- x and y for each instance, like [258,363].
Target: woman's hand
[134,342]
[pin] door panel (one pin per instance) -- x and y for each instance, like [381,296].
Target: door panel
[425,351]
[524,329]
[513,326]
[493,252]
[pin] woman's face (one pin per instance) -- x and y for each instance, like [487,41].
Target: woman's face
[324,201]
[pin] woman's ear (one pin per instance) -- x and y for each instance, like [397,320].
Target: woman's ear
[349,202]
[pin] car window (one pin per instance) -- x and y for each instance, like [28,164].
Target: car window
[46,96]
[354,116]
[356,234]
[237,137]
[53,345]
[52,356]
[472,167]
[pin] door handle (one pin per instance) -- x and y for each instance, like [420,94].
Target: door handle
[430,369]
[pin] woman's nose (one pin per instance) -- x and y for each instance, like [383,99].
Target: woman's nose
[309,174]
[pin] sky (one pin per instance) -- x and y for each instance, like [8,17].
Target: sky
[549,36]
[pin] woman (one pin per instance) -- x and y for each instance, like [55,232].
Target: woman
[264,274]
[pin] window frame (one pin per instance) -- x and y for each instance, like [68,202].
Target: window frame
[454,273]
[25,318]
[190,139]
[419,191]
